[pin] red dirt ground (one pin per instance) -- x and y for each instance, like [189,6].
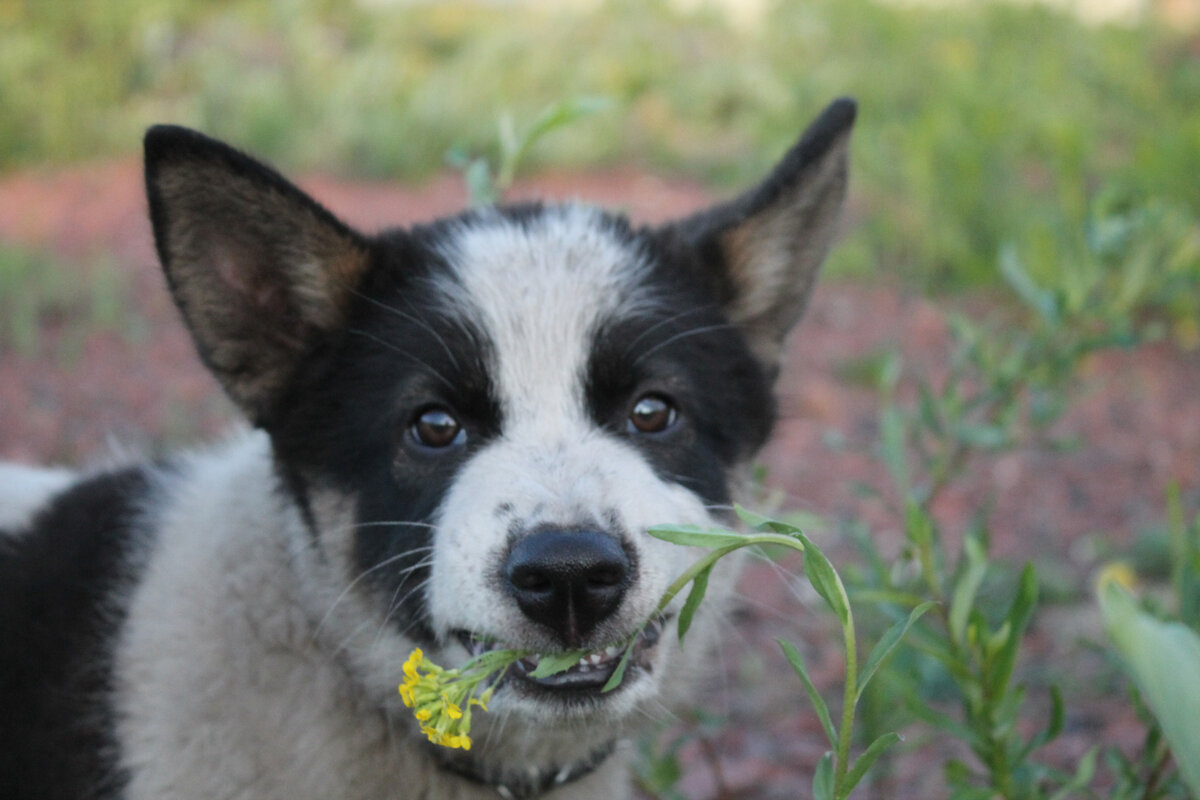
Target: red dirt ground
[1137,416]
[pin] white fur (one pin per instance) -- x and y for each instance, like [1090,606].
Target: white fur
[23,490]
[226,687]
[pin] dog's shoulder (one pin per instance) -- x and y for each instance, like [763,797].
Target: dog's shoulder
[63,557]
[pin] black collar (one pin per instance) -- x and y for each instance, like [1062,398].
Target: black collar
[527,784]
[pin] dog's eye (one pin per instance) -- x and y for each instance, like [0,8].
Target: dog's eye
[652,413]
[437,428]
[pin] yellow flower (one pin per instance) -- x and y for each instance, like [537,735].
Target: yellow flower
[442,699]
[410,667]
[451,709]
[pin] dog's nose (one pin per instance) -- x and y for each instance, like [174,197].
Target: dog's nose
[568,581]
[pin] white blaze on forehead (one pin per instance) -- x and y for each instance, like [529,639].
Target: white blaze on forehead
[537,289]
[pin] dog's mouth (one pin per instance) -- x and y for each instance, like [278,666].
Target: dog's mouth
[588,676]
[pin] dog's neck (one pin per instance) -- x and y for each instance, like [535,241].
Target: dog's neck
[524,784]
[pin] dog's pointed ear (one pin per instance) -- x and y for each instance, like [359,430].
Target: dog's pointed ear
[259,270]
[762,250]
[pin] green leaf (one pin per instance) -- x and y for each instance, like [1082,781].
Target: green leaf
[696,536]
[963,597]
[825,580]
[1082,778]
[892,437]
[618,675]
[919,527]
[761,523]
[1038,299]
[864,762]
[1053,727]
[797,661]
[985,437]
[695,596]
[886,644]
[931,416]
[1164,660]
[480,186]
[1017,619]
[823,778]
[556,115]
[554,663]
[564,113]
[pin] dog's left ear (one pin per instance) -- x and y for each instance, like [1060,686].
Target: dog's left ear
[762,250]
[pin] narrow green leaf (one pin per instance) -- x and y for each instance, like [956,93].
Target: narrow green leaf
[886,644]
[695,596]
[864,762]
[696,536]
[480,186]
[554,663]
[759,522]
[823,778]
[918,527]
[1015,275]
[892,436]
[561,114]
[618,675]
[1017,620]
[1082,778]
[963,597]
[931,415]
[825,580]
[797,661]
[1051,731]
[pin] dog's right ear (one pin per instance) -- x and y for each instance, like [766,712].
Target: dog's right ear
[259,270]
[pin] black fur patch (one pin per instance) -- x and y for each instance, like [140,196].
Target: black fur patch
[58,616]
[348,416]
[688,351]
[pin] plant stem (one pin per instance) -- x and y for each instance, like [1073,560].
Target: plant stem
[845,732]
[716,555]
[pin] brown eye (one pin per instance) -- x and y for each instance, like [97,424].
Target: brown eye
[653,413]
[437,428]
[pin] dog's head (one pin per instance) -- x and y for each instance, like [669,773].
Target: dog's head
[477,419]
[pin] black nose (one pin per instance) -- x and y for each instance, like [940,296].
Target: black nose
[568,581]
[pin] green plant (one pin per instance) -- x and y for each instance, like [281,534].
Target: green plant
[1160,649]
[487,183]
[1004,384]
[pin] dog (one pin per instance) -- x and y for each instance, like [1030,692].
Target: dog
[459,434]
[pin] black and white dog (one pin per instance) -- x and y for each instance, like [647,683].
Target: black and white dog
[463,431]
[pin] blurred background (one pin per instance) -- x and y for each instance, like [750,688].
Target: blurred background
[1013,161]
[983,123]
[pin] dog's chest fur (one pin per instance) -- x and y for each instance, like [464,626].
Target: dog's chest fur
[464,431]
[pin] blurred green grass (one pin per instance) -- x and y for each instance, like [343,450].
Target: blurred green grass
[984,125]
[39,293]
